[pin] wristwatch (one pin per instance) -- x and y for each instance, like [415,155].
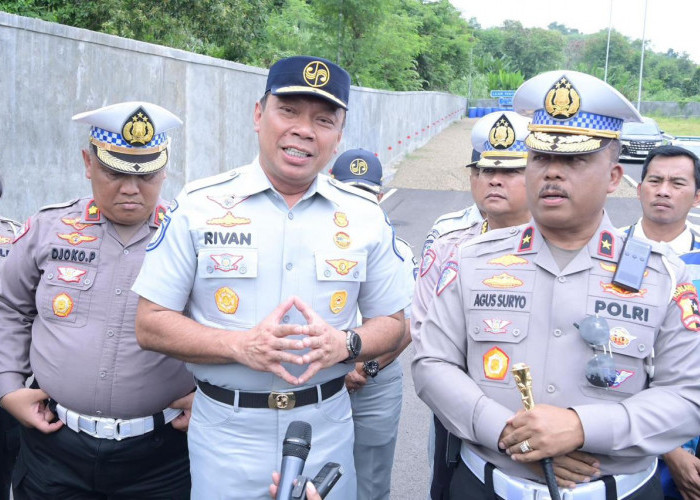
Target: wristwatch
[371,368]
[353,342]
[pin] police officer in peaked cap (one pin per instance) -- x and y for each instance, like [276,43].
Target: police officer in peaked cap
[613,357]
[375,386]
[104,418]
[272,261]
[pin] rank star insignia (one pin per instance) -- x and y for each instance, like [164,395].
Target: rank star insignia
[92,213]
[342,240]
[70,274]
[340,219]
[686,297]
[527,239]
[496,325]
[448,274]
[342,266]
[616,290]
[159,215]
[62,305]
[229,220]
[503,280]
[508,260]
[621,376]
[226,300]
[562,100]
[226,262]
[502,134]
[496,364]
[606,244]
[338,301]
[75,223]
[620,337]
[76,238]
[427,262]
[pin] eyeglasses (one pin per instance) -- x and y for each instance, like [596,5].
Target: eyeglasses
[600,370]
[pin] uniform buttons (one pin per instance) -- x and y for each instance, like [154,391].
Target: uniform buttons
[551,388]
[210,269]
[557,332]
[561,279]
[290,215]
[103,374]
[641,347]
[50,276]
[327,273]
[118,291]
[110,333]
[88,281]
[243,270]
[126,252]
[356,274]
[513,230]
[289,266]
[476,329]
[516,332]
[285,319]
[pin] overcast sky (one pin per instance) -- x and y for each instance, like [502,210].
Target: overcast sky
[671,24]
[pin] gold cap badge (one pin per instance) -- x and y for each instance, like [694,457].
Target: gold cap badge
[562,100]
[316,74]
[502,134]
[358,166]
[138,128]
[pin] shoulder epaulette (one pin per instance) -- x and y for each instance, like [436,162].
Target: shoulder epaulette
[495,240]
[451,215]
[213,180]
[59,205]
[353,190]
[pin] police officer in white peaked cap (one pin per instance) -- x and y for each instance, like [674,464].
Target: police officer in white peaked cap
[104,418]
[613,357]
[500,184]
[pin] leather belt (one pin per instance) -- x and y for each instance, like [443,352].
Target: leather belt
[113,428]
[517,488]
[276,400]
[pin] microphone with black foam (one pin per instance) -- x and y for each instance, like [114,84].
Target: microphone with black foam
[295,449]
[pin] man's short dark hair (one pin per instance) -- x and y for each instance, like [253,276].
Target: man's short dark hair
[669,151]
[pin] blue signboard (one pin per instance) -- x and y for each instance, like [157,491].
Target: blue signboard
[502,93]
[504,102]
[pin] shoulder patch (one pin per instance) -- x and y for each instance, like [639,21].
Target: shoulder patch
[353,190]
[213,180]
[686,298]
[447,275]
[59,205]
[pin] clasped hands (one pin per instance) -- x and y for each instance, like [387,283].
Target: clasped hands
[266,346]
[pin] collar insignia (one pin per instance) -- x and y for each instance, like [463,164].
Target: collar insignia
[503,280]
[92,213]
[502,134]
[138,128]
[606,244]
[76,238]
[342,266]
[508,260]
[562,100]
[229,220]
[527,239]
[226,300]
[496,364]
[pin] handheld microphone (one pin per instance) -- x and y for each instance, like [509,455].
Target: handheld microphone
[295,449]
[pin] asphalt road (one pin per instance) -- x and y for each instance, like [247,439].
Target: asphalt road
[413,211]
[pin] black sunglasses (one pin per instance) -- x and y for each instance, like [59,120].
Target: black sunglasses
[600,369]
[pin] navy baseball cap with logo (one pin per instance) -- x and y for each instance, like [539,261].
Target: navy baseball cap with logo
[306,75]
[572,112]
[130,137]
[360,168]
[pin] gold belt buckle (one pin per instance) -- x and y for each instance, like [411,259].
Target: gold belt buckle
[281,400]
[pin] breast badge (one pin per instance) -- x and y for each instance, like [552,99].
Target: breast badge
[620,377]
[340,219]
[620,337]
[338,301]
[686,297]
[342,240]
[76,238]
[448,274]
[62,305]
[228,220]
[496,364]
[616,290]
[226,262]
[508,260]
[342,266]
[74,223]
[226,300]
[503,280]
[496,325]
[70,274]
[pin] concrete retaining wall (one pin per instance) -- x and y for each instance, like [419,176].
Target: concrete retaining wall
[49,72]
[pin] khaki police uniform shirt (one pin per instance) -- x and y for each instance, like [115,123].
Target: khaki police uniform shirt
[450,222]
[232,250]
[8,230]
[67,309]
[505,301]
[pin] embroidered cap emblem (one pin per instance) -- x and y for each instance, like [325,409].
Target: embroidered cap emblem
[502,134]
[316,74]
[138,128]
[358,167]
[562,100]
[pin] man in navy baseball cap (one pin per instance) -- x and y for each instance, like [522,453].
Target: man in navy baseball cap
[359,168]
